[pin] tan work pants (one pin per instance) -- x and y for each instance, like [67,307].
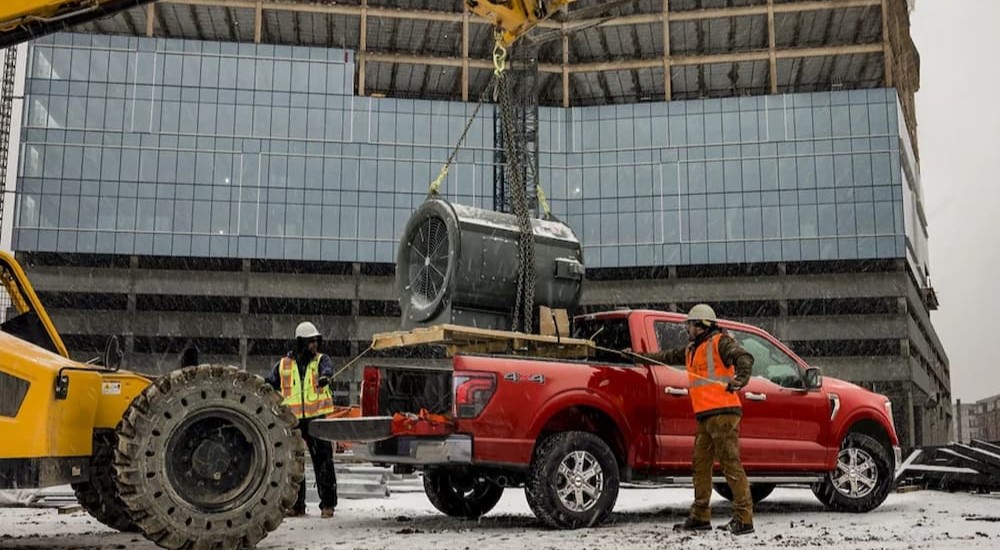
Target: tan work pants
[718,439]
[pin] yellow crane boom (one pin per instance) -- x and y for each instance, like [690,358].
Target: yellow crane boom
[22,20]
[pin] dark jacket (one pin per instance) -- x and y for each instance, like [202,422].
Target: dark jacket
[325,370]
[732,355]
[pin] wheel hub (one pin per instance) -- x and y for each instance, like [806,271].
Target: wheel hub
[210,460]
[579,481]
[214,460]
[857,473]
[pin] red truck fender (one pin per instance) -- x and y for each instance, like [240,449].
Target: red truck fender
[618,434]
[843,426]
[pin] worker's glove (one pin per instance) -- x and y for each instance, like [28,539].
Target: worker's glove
[323,382]
[734,387]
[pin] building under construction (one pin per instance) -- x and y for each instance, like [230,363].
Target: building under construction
[212,172]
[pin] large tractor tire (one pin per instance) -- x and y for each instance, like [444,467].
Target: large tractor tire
[208,458]
[99,494]
[461,494]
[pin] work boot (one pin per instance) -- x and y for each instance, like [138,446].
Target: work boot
[737,527]
[691,524]
[326,513]
[295,513]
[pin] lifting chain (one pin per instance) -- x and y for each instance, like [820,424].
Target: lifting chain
[524,302]
[501,90]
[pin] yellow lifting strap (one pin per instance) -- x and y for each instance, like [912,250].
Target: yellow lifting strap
[499,66]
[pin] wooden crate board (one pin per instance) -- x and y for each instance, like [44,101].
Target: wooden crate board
[461,339]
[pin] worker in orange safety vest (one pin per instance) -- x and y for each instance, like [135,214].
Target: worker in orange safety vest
[717,368]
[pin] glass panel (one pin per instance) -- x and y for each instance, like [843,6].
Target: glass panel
[769,362]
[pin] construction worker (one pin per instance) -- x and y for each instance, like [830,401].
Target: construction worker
[717,368]
[303,378]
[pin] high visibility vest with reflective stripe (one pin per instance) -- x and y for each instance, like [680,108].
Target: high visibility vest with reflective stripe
[708,376]
[302,394]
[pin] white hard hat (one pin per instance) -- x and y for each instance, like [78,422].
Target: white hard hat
[306,330]
[702,312]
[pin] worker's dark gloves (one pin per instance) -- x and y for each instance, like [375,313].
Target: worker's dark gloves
[734,386]
[323,382]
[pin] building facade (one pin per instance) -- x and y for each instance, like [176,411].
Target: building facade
[198,188]
[979,420]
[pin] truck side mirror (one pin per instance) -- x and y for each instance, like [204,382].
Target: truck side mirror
[814,378]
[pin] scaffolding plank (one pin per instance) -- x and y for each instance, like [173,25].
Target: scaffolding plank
[460,339]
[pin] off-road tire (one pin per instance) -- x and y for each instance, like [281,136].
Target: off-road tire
[208,457]
[99,494]
[758,491]
[543,474]
[827,493]
[461,494]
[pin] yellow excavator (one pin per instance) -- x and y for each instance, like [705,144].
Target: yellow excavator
[203,457]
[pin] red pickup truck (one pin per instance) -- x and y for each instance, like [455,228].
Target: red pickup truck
[569,432]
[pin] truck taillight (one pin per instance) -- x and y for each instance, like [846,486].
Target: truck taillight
[369,391]
[473,390]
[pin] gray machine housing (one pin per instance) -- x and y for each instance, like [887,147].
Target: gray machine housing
[458,264]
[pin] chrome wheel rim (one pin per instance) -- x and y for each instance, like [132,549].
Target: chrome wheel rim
[579,481]
[857,473]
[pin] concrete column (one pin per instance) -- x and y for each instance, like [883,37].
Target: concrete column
[667,80]
[130,311]
[465,54]
[258,21]
[911,422]
[363,48]
[352,377]
[888,59]
[244,313]
[771,48]
[150,19]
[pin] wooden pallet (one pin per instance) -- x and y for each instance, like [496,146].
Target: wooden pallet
[460,339]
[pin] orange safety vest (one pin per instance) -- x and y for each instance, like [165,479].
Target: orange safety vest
[302,394]
[708,376]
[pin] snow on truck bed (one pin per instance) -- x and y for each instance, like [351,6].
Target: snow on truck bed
[790,518]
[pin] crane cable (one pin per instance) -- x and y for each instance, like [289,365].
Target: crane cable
[491,90]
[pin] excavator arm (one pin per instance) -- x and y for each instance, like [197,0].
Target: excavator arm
[23,20]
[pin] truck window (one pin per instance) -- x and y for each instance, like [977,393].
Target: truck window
[607,333]
[670,335]
[770,362]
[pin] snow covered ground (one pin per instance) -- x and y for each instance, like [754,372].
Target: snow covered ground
[790,518]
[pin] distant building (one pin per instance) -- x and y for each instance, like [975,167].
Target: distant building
[979,420]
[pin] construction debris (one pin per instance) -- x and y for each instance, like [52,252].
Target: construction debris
[955,467]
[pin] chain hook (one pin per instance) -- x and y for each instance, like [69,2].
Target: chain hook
[499,53]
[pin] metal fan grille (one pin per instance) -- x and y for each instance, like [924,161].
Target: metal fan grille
[428,260]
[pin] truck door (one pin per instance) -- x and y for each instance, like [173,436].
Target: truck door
[784,426]
[675,423]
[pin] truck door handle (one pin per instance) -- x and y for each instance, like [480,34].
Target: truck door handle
[675,391]
[756,396]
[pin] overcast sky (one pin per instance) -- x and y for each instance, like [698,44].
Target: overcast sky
[958,117]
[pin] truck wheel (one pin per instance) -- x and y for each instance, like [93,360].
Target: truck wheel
[208,457]
[758,491]
[572,481]
[863,478]
[461,494]
[99,494]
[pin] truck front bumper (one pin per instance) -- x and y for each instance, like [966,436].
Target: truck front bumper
[454,449]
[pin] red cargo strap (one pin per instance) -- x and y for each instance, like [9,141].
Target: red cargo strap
[424,423]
